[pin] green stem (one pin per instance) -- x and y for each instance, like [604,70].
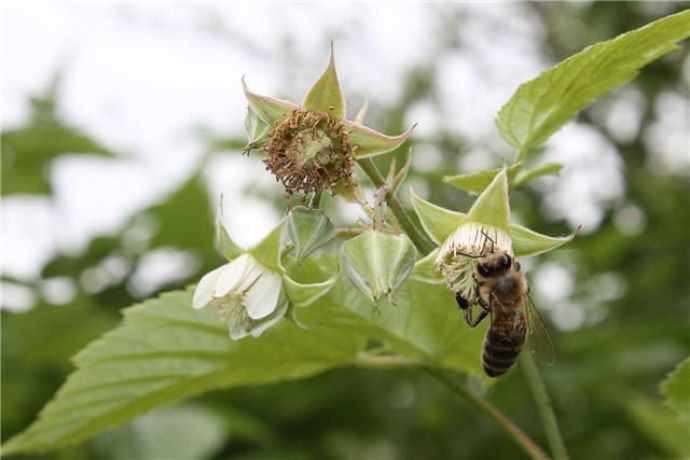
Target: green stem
[316,199]
[514,431]
[420,240]
[548,418]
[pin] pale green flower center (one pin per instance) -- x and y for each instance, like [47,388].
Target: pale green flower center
[462,250]
[309,144]
[232,311]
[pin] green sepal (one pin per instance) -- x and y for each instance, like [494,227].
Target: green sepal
[361,115]
[530,243]
[257,131]
[303,295]
[226,245]
[477,182]
[308,229]
[267,251]
[439,223]
[398,177]
[368,142]
[377,264]
[325,95]
[271,110]
[491,207]
[425,270]
[525,176]
[307,282]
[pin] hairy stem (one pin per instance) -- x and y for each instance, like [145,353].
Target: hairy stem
[520,437]
[541,397]
[420,240]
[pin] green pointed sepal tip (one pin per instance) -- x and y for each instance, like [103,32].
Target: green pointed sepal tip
[267,251]
[325,95]
[269,109]
[438,222]
[492,207]
[527,242]
[305,294]
[369,142]
[477,182]
[308,229]
[377,264]
[224,242]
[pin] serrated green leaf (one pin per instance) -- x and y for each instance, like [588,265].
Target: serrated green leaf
[166,351]
[325,95]
[527,242]
[439,223]
[658,424]
[525,176]
[267,251]
[543,105]
[377,264]
[368,142]
[676,389]
[492,207]
[477,182]
[424,325]
[308,229]
[269,109]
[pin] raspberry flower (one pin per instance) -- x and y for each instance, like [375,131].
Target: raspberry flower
[464,237]
[312,147]
[246,295]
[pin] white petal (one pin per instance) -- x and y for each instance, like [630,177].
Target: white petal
[270,321]
[252,271]
[232,275]
[262,298]
[204,290]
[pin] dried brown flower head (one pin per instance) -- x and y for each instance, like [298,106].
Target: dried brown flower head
[309,152]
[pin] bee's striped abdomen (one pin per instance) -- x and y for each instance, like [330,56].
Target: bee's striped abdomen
[502,344]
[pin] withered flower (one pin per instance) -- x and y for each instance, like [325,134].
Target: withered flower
[312,147]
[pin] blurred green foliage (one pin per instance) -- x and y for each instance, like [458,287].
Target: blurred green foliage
[604,385]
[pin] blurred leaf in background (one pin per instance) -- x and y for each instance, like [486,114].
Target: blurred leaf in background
[28,151]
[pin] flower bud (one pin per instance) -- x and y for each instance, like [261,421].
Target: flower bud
[378,264]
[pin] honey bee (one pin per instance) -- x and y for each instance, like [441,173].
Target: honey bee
[501,290]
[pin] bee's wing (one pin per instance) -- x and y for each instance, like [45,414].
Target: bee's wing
[538,338]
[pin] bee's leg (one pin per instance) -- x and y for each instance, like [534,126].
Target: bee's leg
[474,322]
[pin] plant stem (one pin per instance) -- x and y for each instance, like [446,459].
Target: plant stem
[541,397]
[514,431]
[420,240]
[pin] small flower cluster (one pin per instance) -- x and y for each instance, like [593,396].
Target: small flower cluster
[313,148]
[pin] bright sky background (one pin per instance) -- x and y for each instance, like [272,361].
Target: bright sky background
[144,78]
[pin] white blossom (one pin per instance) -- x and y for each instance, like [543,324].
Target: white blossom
[247,296]
[461,251]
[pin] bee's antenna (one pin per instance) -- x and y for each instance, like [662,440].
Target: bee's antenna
[487,238]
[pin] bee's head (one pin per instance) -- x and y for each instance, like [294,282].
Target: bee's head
[494,264]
